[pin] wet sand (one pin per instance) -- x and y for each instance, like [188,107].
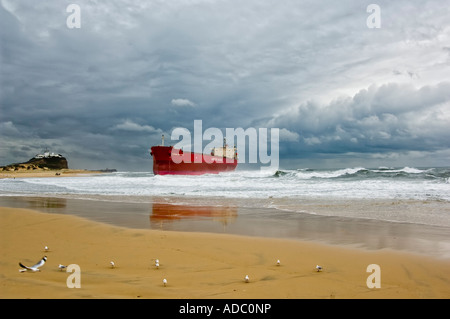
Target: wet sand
[196,265]
[237,217]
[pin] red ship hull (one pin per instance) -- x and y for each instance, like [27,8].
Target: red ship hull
[192,164]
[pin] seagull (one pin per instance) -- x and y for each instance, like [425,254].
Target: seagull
[46,248]
[278,262]
[113,265]
[164,282]
[319,268]
[61,267]
[34,267]
[246,278]
[157,265]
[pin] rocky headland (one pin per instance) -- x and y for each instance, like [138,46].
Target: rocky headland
[44,163]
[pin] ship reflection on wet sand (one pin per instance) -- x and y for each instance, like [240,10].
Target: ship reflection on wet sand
[164,215]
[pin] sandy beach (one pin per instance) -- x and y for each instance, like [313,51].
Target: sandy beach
[198,265]
[23,173]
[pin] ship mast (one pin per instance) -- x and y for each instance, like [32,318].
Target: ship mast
[162,140]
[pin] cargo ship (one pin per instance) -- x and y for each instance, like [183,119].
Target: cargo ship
[170,161]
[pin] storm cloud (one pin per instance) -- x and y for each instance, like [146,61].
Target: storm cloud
[339,91]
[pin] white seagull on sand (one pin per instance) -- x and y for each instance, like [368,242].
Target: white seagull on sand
[278,262]
[164,282]
[34,267]
[61,267]
[319,268]
[46,248]
[246,278]
[113,265]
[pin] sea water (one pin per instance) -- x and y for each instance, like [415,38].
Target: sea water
[398,208]
[348,192]
[354,183]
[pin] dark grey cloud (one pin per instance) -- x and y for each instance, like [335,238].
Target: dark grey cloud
[389,118]
[104,93]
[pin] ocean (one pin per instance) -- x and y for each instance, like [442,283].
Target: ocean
[288,189]
[401,208]
[355,183]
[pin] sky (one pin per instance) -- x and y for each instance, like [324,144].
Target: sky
[341,92]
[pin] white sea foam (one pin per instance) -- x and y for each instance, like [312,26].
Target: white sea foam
[358,183]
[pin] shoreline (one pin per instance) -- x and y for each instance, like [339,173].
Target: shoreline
[191,215]
[198,265]
[41,173]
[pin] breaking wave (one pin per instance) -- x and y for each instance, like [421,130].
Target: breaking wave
[365,173]
[356,182]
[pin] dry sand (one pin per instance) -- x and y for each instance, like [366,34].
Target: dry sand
[23,173]
[197,265]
